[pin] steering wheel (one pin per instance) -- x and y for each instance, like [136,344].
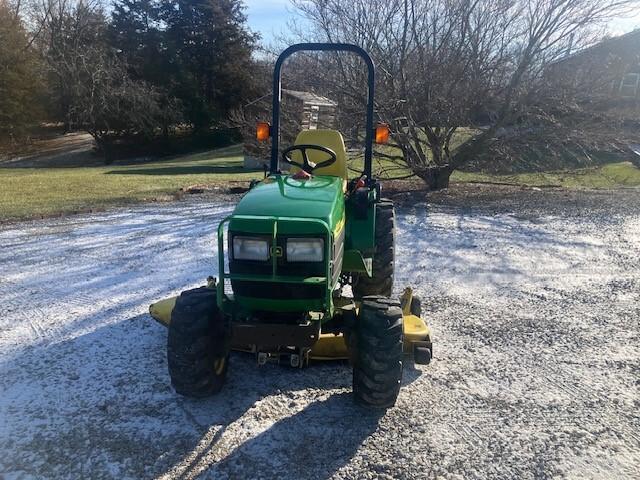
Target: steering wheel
[307,165]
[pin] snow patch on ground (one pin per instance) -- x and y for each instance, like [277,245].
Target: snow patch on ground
[536,322]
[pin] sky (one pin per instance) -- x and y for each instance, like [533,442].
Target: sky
[625,25]
[269,18]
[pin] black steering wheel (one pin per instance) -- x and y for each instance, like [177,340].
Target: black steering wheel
[307,165]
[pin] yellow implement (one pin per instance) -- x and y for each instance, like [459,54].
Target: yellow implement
[417,335]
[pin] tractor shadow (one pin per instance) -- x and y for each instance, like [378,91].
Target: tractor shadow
[312,442]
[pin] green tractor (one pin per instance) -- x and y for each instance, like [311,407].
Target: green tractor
[293,242]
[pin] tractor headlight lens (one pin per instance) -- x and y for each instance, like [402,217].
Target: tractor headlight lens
[247,248]
[305,249]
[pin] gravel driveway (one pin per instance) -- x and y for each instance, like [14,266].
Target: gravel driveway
[534,301]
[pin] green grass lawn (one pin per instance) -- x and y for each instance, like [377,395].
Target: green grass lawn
[35,192]
[612,175]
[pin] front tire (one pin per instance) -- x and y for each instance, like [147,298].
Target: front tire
[416,306]
[197,344]
[377,353]
[381,281]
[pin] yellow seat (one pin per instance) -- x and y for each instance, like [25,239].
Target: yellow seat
[331,139]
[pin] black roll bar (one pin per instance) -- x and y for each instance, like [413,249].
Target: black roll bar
[277,93]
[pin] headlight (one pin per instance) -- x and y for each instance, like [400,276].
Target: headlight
[305,249]
[247,248]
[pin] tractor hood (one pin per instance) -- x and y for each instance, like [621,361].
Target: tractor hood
[320,197]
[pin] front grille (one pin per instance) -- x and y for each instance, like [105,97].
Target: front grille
[297,269]
[276,290]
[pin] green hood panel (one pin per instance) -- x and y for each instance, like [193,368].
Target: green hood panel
[320,197]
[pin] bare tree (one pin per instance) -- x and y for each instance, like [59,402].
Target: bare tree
[110,105]
[68,34]
[543,31]
[90,88]
[448,64]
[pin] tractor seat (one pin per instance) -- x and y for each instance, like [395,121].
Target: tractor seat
[327,138]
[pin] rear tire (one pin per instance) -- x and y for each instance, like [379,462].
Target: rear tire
[197,344]
[377,353]
[381,281]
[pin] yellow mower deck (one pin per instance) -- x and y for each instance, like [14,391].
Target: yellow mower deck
[328,346]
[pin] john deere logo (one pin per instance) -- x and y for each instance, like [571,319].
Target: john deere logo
[276,251]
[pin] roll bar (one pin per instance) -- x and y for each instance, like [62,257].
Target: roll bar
[277,95]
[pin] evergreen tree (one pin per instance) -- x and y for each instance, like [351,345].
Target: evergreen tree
[135,33]
[19,75]
[209,52]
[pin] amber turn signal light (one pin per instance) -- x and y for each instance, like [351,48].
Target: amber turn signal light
[382,133]
[263,131]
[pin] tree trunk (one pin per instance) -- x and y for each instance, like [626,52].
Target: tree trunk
[436,178]
[105,148]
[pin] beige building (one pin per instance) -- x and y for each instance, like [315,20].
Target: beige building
[299,111]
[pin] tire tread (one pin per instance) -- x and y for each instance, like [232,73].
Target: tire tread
[198,337]
[377,356]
